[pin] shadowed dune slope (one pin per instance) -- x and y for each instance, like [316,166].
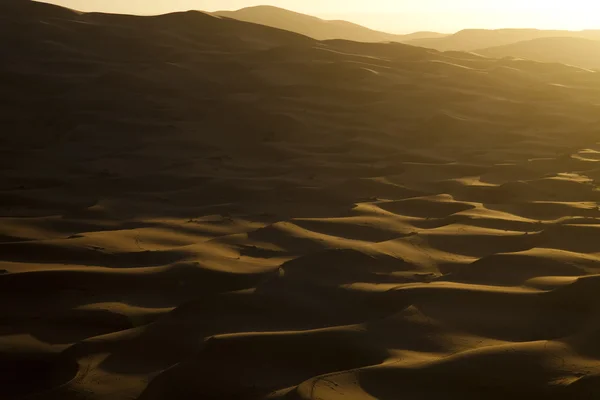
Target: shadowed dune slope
[200,207]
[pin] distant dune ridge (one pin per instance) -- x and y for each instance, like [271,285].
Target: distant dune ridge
[566,50]
[475,39]
[198,207]
[318,28]
[567,47]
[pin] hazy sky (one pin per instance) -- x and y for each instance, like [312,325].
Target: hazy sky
[392,15]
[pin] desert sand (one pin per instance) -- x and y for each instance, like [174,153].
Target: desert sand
[318,28]
[576,51]
[474,39]
[195,207]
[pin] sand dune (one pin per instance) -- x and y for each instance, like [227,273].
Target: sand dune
[474,39]
[199,207]
[581,52]
[318,28]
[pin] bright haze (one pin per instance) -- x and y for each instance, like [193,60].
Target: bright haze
[397,16]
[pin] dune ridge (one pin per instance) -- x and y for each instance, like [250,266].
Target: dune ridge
[566,50]
[474,39]
[199,207]
[559,46]
[318,28]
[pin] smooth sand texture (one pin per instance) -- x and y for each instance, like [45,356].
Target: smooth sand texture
[201,208]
